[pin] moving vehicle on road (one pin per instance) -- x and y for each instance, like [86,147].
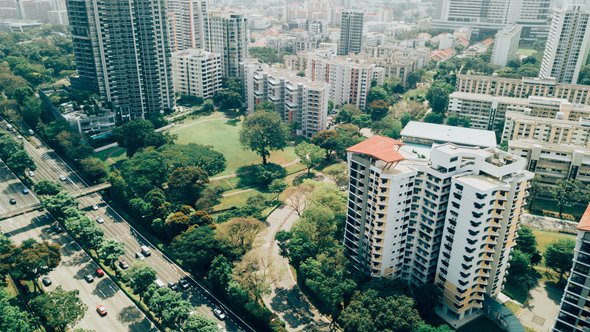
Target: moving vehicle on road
[173,286]
[89,278]
[218,312]
[139,256]
[99,273]
[146,251]
[25,191]
[100,220]
[102,310]
[184,284]
[63,178]
[95,207]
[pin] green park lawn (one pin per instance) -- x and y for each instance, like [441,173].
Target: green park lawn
[545,238]
[111,156]
[223,135]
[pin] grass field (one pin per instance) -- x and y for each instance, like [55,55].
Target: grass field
[544,238]
[223,135]
[526,51]
[111,156]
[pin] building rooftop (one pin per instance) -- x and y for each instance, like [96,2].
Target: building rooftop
[382,148]
[442,133]
[482,182]
[584,224]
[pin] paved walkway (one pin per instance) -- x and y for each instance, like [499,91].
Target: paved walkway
[542,308]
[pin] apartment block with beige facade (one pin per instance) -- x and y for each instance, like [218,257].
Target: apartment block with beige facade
[450,218]
[196,72]
[297,99]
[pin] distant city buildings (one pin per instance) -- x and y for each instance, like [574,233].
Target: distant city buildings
[297,99]
[186,22]
[351,32]
[567,45]
[446,215]
[43,11]
[196,72]
[574,308]
[122,52]
[227,34]
[506,44]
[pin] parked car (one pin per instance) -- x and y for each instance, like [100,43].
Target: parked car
[102,310]
[31,132]
[146,251]
[95,207]
[99,273]
[123,265]
[139,255]
[89,278]
[63,178]
[100,220]
[31,174]
[184,284]
[173,286]
[46,281]
[218,312]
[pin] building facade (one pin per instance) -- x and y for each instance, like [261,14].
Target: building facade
[567,45]
[122,52]
[297,99]
[187,23]
[351,31]
[196,72]
[506,44]
[575,306]
[449,219]
[227,34]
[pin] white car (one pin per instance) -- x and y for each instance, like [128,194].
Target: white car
[100,220]
[63,178]
[219,313]
[95,207]
[31,173]
[19,136]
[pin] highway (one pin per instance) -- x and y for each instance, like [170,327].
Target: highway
[122,315]
[51,167]
[11,187]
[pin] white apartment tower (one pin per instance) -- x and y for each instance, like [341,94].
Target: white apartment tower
[196,72]
[351,31]
[506,44]
[122,52]
[449,219]
[567,45]
[297,99]
[187,22]
[575,309]
[227,34]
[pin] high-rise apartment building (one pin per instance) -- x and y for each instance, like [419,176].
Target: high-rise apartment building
[449,218]
[350,80]
[297,99]
[227,35]
[532,15]
[575,303]
[351,31]
[122,51]
[187,22]
[506,44]
[567,45]
[196,72]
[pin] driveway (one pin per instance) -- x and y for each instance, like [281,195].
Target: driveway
[542,308]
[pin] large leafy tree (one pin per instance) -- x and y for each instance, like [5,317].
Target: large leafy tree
[8,146]
[33,259]
[60,308]
[264,54]
[186,183]
[378,109]
[327,140]
[220,272]
[200,323]
[144,172]
[263,132]
[110,250]
[309,154]
[58,204]
[45,187]
[196,248]
[559,256]
[85,231]
[20,161]
[566,192]
[141,277]
[438,96]
[12,318]
[138,134]
[6,254]
[527,243]
[521,271]
[238,234]
[169,306]
[93,169]
[185,155]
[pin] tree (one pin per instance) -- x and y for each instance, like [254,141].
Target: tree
[566,192]
[298,200]
[309,154]
[438,96]
[93,169]
[169,306]
[31,111]
[209,197]
[327,140]
[208,106]
[12,318]
[6,255]
[185,183]
[264,54]
[277,186]
[141,277]
[414,78]
[559,256]
[196,248]
[369,312]
[8,146]
[138,134]
[405,118]
[521,272]
[57,204]
[110,250]
[434,117]
[534,190]
[458,121]
[388,126]
[584,77]
[429,328]
[85,231]
[338,173]
[378,109]
[238,234]
[185,155]
[220,272]
[60,308]
[20,161]
[200,323]
[263,132]
[144,171]
[376,93]
[33,259]
[255,274]
[45,187]
[527,243]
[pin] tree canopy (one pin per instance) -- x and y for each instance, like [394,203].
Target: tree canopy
[263,132]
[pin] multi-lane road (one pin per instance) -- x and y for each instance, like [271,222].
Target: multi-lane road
[11,188]
[51,167]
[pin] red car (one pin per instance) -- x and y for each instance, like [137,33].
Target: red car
[99,273]
[102,310]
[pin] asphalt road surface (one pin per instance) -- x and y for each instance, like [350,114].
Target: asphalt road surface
[11,187]
[122,315]
[51,167]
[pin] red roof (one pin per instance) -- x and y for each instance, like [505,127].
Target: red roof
[382,148]
[584,224]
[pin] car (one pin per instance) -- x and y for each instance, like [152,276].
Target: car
[159,283]
[63,178]
[99,273]
[123,265]
[218,312]
[31,174]
[145,251]
[100,220]
[31,132]
[25,191]
[95,207]
[173,286]
[19,136]
[46,281]
[184,284]
[139,255]
[102,310]
[12,201]
[57,228]
[89,278]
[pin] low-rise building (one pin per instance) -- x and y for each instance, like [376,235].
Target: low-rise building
[297,99]
[196,72]
[431,133]
[94,126]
